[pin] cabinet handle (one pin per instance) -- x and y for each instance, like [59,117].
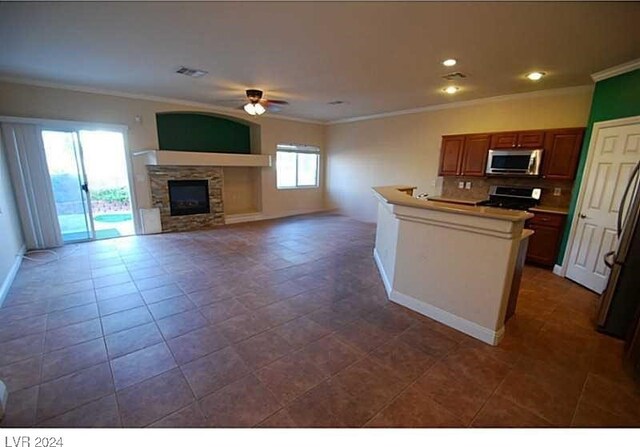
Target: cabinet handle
[513,145]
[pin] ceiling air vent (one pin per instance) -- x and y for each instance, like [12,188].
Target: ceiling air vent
[192,72]
[454,76]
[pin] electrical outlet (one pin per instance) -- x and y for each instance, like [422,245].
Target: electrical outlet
[460,185]
[557,191]
[467,185]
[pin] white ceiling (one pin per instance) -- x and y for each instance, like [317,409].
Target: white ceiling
[378,57]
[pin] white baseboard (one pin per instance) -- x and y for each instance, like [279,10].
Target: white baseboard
[468,327]
[13,271]
[383,273]
[239,218]
[252,217]
[558,270]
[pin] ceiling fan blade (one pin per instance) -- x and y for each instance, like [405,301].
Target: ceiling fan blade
[229,101]
[281,102]
[273,107]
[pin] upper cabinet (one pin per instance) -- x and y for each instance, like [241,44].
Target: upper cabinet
[474,156]
[513,140]
[451,155]
[466,155]
[561,153]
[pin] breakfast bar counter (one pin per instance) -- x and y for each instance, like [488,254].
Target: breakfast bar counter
[454,263]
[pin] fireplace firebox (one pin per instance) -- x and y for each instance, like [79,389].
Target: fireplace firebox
[189,197]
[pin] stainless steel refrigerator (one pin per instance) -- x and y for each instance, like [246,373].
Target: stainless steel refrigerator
[620,304]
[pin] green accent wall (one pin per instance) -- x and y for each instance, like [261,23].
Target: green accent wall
[201,132]
[613,98]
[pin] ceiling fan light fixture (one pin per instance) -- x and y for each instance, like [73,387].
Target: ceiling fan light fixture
[259,108]
[250,109]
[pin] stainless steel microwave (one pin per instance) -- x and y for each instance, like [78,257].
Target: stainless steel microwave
[514,162]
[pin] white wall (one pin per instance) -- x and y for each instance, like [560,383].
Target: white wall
[56,103]
[11,242]
[405,149]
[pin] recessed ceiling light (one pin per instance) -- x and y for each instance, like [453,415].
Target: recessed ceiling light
[451,89]
[449,62]
[535,75]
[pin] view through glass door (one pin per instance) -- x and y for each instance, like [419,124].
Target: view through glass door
[88,171]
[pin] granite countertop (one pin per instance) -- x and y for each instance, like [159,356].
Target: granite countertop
[538,208]
[455,200]
[549,209]
[393,195]
[526,233]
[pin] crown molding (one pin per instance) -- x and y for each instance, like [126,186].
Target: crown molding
[165,99]
[234,112]
[471,102]
[617,70]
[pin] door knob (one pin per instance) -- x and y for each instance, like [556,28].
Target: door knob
[583,216]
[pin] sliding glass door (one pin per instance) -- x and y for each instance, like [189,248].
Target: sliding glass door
[70,191]
[105,164]
[90,181]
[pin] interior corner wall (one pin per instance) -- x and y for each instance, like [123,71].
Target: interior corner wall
[613,98]
[23,100]
[405,149]
[11,240]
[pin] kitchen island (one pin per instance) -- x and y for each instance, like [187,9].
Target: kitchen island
[454,263]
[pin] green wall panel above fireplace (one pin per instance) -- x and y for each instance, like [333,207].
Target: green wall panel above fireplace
[202,132]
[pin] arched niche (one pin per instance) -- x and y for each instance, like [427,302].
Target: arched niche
[206,132]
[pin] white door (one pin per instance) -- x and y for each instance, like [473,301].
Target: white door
[614,153]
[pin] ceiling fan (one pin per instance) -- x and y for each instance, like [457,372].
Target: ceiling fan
[257,105]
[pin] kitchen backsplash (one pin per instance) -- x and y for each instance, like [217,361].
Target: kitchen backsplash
[480,188]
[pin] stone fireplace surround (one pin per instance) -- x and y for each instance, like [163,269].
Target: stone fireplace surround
[159,177]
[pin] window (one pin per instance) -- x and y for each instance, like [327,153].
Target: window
[297,166]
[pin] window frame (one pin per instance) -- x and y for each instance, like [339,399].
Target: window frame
[299,149]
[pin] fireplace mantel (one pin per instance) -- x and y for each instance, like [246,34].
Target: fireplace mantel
[178,158]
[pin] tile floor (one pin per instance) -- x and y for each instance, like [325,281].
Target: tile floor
[286,324]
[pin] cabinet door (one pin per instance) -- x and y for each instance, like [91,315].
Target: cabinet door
[506,140]
[531,140]
[474,159]
[561,153]
[451,155]
[543,245]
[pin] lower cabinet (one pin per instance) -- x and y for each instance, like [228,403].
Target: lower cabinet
[545,242]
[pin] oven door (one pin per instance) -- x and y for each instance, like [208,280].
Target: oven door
[518,162]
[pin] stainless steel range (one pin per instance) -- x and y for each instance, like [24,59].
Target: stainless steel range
[513,197]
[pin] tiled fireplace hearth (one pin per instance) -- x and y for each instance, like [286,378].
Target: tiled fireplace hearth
[186,195]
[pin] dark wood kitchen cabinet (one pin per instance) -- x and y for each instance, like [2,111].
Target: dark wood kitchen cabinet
[530,139]
[545,241]
[561,153]
[451,154]
[474,156]
[464,154]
